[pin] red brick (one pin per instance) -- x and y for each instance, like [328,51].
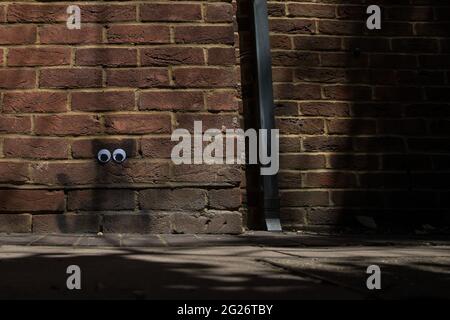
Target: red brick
[138,34]
[14,172]
[207,173]
[154,147]
[204,34]
[138,123]
[222,101]
[302,161]
[330,180]
[103,101]
[60,34]
[15,124]
[92,173]
[48,56]
[137,78]
[292,26]
[173,199]
[300,126]
[221,56]
[17,35]
[162,57]
[311,10]
[36,13]
[76,125]
[66,223]
[224,199]
[101,199]
[170,12]
[71,78]
[171,100]
[42,101]
[17,79]
[204,77]
[304,198]
[108,12]
[137,223]
[58,13]
[219,12]
[115,57]
[209,121]
[35,148]
[31,200]
[15,223]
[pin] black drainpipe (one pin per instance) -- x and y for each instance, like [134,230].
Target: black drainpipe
[269,184]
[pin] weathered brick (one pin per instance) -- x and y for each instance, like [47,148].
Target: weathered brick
[213,222]
[49,13]
[170,12]
[204,34]
[15,223]
[224,199]
[31,200]
[221,56]
[92,173]
[222,101]
[171,100]
[17,79]
[137,223]
[154,147]
[48,56]
[76,125]
[138,34]
[35,148]
[114,57]
[42,101]
[162,57]
[173,199]
[138,123]
[60,34]
[66,223]
[197,77]
[101,199]
[219,12]
[20,35]
[71,78]
[137,78]
[103,101]
[15,124]
[206,173]
[14,172]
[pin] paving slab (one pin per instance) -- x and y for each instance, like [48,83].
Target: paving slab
[40,272]
[411,273]
[251,266]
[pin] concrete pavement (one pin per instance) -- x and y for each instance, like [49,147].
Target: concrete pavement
[255,265]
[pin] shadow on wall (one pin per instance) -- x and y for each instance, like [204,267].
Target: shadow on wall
[395,145]
[379,123]
[104,193]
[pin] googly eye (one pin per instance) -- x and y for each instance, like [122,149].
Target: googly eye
[119,155]
[104,156]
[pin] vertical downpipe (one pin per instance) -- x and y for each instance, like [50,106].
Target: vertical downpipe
[269,183]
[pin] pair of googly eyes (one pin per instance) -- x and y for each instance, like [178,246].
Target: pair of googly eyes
[119,155]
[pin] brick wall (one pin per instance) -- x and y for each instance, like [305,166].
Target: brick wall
[134,72]
[364,115]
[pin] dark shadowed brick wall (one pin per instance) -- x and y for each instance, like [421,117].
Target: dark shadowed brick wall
[134,72]
[364,115]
